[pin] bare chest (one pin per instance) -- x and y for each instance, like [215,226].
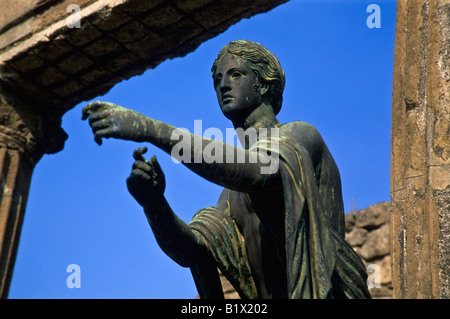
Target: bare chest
[265,257]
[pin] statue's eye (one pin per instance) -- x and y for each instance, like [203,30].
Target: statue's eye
[236,74]
[217,80]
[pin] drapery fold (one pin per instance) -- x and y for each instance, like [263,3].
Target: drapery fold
[319,262]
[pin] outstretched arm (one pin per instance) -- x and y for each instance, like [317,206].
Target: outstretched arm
[147,183]
[110,120]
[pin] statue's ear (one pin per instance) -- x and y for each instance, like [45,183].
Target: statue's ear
[263,88]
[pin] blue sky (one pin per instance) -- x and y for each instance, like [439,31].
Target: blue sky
[338,78]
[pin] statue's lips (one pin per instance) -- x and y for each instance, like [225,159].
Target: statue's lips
[227,99]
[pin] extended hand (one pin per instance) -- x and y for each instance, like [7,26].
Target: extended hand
[111,120]
[146,182]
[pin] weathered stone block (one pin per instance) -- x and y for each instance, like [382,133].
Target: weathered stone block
[28,63]
[51,50]
[376,245]
[349,222]
[385,270]
[103,22]
[373,216]
[162,18]
[381,293]
[74,63]
[85,34]
[68,88]
[188,5]
[119,62]
[134,31]
[48,76]
[94,75]
[357,236]
[149,46]
[136,8]
[102,47]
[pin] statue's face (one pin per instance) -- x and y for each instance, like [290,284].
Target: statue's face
[234,83]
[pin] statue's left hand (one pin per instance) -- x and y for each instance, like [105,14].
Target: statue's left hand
[146,182]
[111,120]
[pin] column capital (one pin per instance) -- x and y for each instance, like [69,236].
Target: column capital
[28,126]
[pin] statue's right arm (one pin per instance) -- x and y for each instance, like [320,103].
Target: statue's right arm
[110,120]
[174,236]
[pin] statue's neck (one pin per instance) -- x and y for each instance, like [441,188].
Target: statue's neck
[262,117]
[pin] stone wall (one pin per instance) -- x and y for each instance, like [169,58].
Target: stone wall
[367,230]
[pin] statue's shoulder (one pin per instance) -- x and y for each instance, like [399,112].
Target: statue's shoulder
[298,125]
[307,136]
[299,130]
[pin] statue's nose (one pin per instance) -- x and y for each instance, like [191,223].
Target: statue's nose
[224,84]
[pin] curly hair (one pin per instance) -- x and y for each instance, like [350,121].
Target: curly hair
[263,63]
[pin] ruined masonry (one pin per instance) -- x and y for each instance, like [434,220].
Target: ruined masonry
[368,232]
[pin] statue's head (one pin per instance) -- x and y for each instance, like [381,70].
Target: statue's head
[263,63]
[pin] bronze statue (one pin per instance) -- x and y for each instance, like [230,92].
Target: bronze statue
[273,235]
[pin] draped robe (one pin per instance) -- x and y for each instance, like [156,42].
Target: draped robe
[319,262]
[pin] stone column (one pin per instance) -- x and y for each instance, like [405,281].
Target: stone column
[420,165]
[24,138]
